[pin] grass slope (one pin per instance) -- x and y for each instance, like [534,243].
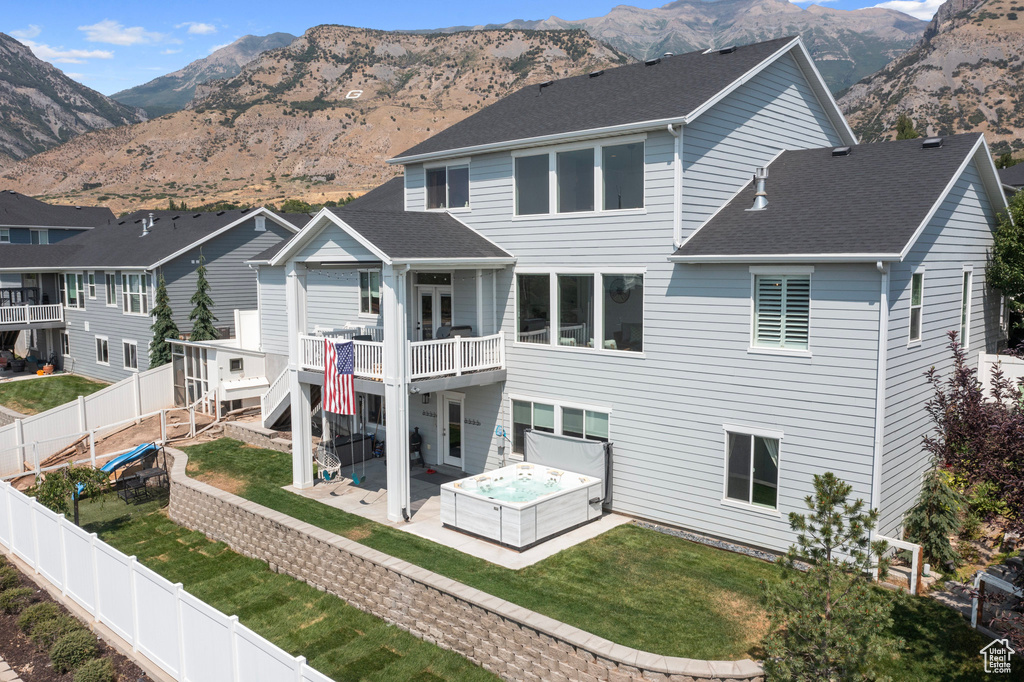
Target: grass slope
[32,396]
[634,586]
[336,639]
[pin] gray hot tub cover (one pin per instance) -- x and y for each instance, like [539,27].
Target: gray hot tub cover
[579,455]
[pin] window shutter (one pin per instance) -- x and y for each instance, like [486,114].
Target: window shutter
[768,308]
[797,312]
[782,311]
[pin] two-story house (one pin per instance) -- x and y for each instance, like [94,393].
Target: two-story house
[590,257]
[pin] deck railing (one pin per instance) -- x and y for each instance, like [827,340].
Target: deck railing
[350,331]
[275,394]
[28,314]
[438,358]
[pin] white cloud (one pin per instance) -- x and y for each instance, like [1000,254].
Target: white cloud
[115,33]
[76,76]
[31,32]
[59,55]
[217,47]
[169,51]
[198,28]
[921,9]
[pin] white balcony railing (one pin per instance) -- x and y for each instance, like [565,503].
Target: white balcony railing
[275,394]
[352,330]
[444,357]
[29,314]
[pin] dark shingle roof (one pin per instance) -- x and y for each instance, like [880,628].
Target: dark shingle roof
[671,89]
[20,210]
[387,197]
[414,234]
[869,202]
[1012,176]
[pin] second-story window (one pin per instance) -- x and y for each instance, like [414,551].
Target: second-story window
[782,311]
[622,167]
[916,305]
[111,286]
[369,292]
[5,236]
[448,187]
[575,173]
[135,294]
[40,236]
[532,184]
[74,290]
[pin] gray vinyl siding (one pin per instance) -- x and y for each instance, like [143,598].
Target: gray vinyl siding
[332,299]
[959,234]
[232,282]
[481,404]
[273,310]
[23,235]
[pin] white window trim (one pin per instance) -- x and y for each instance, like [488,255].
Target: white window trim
[90,283]
[911,341]
[80,293]
[599,275]
[65,335]
[454,163]
[126,309]
[380,294]
[109,277]
[105,340]
[760,433]
[559,405]
[797,271]
[965,323]
[42,233]
[124,359]
[597,146]
[5,235]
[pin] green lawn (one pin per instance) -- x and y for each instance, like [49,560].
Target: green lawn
[631,585]
[336,639]
[32,396]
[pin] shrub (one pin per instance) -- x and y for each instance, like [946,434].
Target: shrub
[14,600]
[72,650]
[96,670]
[9,578]
[36,613]
[46,633]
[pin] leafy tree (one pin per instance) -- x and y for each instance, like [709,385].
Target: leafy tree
[295,206]
[828,622]
[163,327]
[1006,160]
[58,490]
[935,517]
[905,128]
[202,312]
[1005,270]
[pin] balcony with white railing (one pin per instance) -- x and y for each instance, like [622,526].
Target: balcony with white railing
[31,314]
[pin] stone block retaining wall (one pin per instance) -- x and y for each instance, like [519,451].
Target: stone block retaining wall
[508,640]
[254,434]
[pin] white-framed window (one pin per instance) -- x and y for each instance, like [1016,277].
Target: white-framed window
[40,236]
[131,354]
[752,467]
[782,309]
[236,364]
[102,351]
[369,292]
[73,290]
[916,305]
[580,178]
[110,282]
[261,223]
[65,344]
[135,294]
[447,187]
[5,236]
[965,306]
[600,310]
[92,285]
[550,416]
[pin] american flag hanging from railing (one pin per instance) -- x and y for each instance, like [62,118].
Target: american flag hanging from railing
[339,372]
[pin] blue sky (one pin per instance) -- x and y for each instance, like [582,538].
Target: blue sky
[111,45]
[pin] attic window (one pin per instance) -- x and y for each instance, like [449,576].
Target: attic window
[448,187]
[261,223]
[841,151]
[932,143]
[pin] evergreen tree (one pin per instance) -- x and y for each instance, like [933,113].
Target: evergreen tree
[163,327]
[1006,160]
[1005,270]
[829,622]
[202,312]
[905,128]
[935,518]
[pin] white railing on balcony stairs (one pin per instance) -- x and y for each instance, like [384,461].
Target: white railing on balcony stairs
[277,392]
[28,314]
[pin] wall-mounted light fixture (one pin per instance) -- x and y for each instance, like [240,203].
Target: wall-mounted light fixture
[426,398]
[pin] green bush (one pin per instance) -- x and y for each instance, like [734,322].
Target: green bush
[14,600]
[984,502]
[46,633]
[9,578]
[96,670]
[36,613]
[72,650]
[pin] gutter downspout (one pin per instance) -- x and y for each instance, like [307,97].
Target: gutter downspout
[883,346]
[677,187]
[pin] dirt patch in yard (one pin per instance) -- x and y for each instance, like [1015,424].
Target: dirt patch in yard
[745,613]
[218,480]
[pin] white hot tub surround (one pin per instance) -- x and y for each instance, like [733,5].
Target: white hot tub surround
[487,506]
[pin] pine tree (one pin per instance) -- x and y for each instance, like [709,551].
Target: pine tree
[202,314]
[905,128]
[829,622]
[163,327]
[935,517]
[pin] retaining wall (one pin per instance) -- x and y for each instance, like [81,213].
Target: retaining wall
[510,641]
[254,434]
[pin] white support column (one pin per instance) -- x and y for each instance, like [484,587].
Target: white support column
[396,389]
[494,302]
[302,436]
[479,302]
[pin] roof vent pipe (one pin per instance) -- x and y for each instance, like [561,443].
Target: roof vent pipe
[760,196]
[147,227]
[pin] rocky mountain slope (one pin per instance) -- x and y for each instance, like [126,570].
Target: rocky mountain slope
[847,45]
[314,120]
[40,107]
[966,74]
[175,90]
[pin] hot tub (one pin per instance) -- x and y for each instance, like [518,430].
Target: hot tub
[522,504]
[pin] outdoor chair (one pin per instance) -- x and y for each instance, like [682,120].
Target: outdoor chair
[328,463]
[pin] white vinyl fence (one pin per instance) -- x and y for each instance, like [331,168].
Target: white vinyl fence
[32,439]
[1013,369]
[187,638]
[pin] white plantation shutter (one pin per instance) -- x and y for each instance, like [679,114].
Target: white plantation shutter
[782,308]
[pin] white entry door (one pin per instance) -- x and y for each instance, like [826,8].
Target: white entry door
[435,310]
[452,416]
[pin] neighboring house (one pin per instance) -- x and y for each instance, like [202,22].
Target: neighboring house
[102,283]
[1012,177]
[24,220]
[593,238]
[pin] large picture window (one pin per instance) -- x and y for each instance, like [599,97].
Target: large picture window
[135,294]
[622,167]
[532,186]
[554,418]
[623,308]
[782,311]
[533,294]
[448,187]
[369,292]
[576,310]
[752,474]
[575,172]
[74,290]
